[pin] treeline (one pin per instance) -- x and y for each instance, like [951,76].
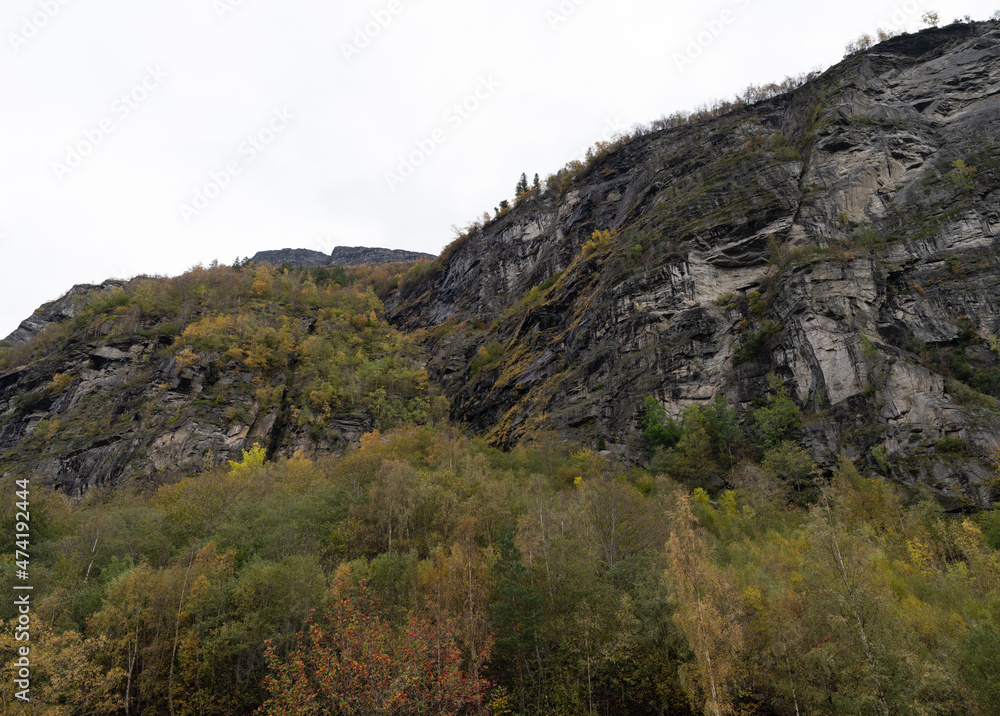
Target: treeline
[546,580]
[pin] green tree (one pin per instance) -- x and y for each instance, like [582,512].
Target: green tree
[522,185]
[772,423]
[517,613]
[656,427]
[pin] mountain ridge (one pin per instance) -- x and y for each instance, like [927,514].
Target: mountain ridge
[340,256]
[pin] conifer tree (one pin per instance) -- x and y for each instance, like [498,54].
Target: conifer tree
[522,185]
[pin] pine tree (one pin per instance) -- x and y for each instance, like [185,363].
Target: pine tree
[517,611]
[522,185]
[537,183]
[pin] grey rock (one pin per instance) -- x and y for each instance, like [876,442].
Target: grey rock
[859,239]
[341,256]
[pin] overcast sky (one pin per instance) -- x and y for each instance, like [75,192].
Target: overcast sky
[147,137]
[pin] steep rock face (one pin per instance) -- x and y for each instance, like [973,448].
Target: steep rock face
[360,255]
[124,409]
[842,237]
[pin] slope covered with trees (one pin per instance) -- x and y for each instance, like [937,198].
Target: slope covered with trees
[543,580]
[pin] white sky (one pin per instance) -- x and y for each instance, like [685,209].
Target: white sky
[163,97]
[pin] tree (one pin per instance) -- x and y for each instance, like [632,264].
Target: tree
[931,18]
[776,421]
[656,428]
[704,613]
[536,184]
[355,663]
[861,44]
[517,611]
[856,593]
[522,185]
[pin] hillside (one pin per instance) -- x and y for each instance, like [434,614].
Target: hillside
[157,378]
[842,237]
[707,425]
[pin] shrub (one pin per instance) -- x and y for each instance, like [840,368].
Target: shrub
[486,356]
[599,241]
[774,422]
[790,462]
[659,430]
[757,342]
[951,444]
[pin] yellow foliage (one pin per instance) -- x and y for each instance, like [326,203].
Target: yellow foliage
[253,459]
[186,358]
[60,382]
[599,241]
[921,555]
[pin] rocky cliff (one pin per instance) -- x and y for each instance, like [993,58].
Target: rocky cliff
[62,309]
[842,237]
[838,241]
[340,256]
[155,378]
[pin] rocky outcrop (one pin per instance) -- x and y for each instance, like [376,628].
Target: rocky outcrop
[842,237]
[57,311]
[295,257]
[341,256]
[359,256]
[124,409]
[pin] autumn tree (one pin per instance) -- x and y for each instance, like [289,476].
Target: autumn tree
[354,662]
[705,613]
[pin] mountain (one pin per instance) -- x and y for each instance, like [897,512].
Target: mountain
[341,256]
[706,426]
[835,244]
[842,237]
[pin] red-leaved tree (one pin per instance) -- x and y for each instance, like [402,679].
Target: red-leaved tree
[356,663]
